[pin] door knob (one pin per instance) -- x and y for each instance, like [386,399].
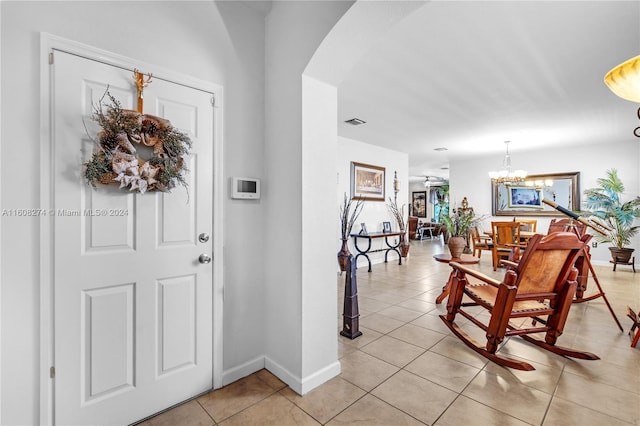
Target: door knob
[204,258]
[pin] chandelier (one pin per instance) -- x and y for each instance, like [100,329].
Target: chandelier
[506,175]
[624,81]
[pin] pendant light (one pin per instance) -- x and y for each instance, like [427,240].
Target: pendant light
[624,82]
[506,174]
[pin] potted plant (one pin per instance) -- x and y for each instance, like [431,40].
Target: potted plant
[458,226]
[442,201]
[398,214]
[605,204]
[348,218]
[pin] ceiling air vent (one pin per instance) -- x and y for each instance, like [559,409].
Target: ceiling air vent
[355,121]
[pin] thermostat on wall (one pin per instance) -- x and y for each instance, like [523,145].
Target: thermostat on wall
[245,188]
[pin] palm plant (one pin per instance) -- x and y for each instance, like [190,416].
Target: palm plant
[442,200]
[605,203]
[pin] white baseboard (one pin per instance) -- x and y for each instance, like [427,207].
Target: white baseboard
[321,376]
[304,385]
[243,370]
[298,385]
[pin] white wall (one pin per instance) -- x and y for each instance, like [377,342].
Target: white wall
[469,177]
[304,354]
[373,212]
[218,42]
[294,30]
[319,309]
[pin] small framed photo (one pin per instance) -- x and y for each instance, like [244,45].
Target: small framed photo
[386,227]
[363,229]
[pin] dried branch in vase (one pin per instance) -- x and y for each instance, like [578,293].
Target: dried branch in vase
[398,213]
[347,217]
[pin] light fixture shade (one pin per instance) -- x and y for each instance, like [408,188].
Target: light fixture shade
[507,175]
[624,80]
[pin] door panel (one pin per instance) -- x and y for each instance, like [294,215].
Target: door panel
[172,229]
[107,341]
[109,231]
[132,304]
[177,329]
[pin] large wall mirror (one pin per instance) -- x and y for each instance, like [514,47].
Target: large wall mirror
[525,198]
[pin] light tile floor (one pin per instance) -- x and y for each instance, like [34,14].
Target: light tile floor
[407,368]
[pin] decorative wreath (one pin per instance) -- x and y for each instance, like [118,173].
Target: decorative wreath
[115,159]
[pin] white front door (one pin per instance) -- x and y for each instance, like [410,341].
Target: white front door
[132,303]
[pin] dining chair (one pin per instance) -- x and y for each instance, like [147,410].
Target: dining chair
[480,242]
[528,225]
[541,287]
[506,237]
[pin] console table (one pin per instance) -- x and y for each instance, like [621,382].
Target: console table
[373,235]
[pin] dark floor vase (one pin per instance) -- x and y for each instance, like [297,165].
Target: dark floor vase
[404,246]
[343,254]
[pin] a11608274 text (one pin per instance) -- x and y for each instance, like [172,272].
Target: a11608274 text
[64,212]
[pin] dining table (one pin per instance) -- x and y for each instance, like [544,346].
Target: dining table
[525,236]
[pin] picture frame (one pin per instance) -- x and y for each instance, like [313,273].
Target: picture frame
[525,197]
[561,188]
[386,227]
[363,229]
[419,203]
[367,182]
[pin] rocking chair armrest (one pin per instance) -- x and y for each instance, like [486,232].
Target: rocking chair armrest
[509,263]
[476,274]
[517,246]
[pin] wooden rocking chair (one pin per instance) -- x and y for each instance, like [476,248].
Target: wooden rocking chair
[541,286]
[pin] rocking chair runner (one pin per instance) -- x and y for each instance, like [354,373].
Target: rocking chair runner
[541,287]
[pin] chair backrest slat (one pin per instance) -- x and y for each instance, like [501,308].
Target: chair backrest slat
[505,233]
[547,262]
[529,225]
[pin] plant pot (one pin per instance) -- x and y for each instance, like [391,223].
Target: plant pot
[456,246]
[343,255]
[622,255]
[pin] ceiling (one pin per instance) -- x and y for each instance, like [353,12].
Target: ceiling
[468,76]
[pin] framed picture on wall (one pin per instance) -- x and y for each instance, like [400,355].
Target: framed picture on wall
[367,182]
[419,203]
[525,197]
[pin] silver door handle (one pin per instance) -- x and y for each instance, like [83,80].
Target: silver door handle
[204,258]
